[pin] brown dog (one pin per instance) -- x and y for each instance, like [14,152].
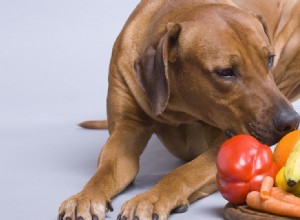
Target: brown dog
[194,72]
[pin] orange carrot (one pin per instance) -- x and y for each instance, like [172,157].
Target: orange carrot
[284,196]
[272,205]
[266,187]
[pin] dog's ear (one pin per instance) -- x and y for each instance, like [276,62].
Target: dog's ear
[152,68]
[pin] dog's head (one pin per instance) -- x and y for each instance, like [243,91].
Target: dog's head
[217,67]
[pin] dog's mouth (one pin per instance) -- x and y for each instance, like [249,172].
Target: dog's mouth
[229,133]
[257,130]
[265,136]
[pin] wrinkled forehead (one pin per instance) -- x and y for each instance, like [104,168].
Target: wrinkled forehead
[216,34]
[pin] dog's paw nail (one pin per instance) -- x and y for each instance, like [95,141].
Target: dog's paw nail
[60,216]
[181,209]
[155,216]
[124,218]
[119,217]
[80,218]
[95,217]
[109,206]
[136,218]
[68,218]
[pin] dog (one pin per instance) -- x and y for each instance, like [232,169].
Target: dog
[194,72]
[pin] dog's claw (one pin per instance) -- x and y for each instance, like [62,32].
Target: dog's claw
[60,217]
[120,217]
[136,218]
[181,209]
[155,216]
[109,206]
[95,217]
[80,218]
[68,218]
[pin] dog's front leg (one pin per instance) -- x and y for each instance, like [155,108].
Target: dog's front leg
[175,191]
[117,167]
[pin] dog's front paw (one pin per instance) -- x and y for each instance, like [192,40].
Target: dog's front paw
[84,206]
[152,206]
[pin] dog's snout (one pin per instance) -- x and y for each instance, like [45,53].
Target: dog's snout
[286,121]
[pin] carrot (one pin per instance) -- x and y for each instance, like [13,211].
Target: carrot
[266,187]
[272,205]
[284,196]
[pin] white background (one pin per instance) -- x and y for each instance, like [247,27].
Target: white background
[54,58]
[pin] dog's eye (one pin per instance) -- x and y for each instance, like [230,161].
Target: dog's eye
[271,61]
[226,73]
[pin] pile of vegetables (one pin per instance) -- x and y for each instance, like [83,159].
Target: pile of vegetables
[247,173]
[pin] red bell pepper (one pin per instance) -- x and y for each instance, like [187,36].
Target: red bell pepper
[242,163]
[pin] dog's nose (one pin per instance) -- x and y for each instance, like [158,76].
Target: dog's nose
[286,121]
